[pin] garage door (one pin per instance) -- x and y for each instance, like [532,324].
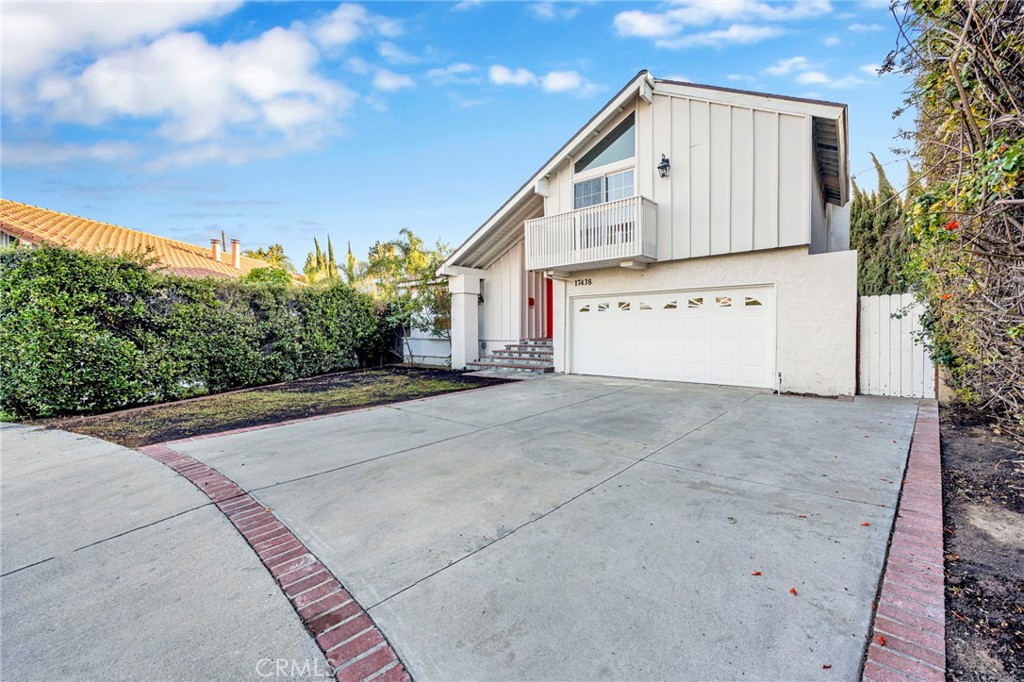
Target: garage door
[722,336]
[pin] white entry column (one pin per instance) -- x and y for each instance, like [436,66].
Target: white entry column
[465,292]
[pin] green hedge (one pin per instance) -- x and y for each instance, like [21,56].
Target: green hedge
[83,332]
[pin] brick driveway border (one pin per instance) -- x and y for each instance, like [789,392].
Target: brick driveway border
[908,638]
[355,648]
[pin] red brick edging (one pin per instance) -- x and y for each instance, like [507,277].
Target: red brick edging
[908,638]
[353,645]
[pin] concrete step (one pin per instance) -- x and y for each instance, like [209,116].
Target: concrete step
[530,346]
[498,364]
[528,362]
[525,353]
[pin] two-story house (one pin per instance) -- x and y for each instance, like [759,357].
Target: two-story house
[686,233]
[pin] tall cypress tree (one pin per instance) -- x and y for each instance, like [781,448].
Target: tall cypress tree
[878,232]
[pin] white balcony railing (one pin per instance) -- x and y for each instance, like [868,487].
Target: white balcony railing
[621,230]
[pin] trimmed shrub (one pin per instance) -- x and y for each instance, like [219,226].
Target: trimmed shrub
[83,332]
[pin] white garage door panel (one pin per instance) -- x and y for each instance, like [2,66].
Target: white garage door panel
[721,336]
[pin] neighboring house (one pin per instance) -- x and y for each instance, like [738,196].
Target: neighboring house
[32,225]
[687,233]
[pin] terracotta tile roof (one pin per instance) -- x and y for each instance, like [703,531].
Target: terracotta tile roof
[38,225]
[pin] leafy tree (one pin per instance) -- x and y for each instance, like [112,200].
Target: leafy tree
[966,60]
[878,232]
[353,271]
[403,273]
[321,265]
[269,276]
[273,254]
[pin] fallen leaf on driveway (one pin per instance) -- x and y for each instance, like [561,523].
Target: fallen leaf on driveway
[803,516]
[865,524]
[730,519]
[880,640]
[792,591]
[756,573]
[827,666]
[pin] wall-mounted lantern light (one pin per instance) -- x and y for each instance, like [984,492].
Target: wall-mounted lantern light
[664,166]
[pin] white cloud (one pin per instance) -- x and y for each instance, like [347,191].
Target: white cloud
[846,82]
[739,77]
[687,14]
[238,99]
[358,65]
[502,75]
[467,5]
[865,28]
[457,73]
[870,69]
[394,54]
[639,24]
[189,100]
[552,81]
[389,81]
[812,78]
[739,34]
[567,81]
[819,78]
[349,22]
[38,35]
[679,78]
[58,154]
[830,41]
[552,10]
[785,66]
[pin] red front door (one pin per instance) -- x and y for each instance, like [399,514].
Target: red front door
[549,308]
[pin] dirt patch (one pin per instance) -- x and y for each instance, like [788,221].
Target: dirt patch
[328,394]
[983,499]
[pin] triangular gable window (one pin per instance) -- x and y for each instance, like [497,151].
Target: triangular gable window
[617,145]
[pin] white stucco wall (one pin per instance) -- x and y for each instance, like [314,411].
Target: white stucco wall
[816,299]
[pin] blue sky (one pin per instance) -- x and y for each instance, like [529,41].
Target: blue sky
[277,122]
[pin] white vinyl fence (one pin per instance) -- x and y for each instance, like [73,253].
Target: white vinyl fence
[420,348]
[892,360]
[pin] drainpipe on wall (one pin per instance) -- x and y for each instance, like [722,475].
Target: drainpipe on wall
[236,254]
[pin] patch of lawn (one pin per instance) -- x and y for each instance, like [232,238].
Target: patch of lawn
[270,404]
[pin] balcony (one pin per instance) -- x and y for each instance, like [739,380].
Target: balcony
[624,231]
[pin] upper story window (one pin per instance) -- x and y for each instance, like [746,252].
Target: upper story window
[603,188]
[617,145]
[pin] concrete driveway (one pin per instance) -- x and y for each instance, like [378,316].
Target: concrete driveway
[577,528]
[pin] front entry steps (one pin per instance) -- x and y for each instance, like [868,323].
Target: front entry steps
[534,356]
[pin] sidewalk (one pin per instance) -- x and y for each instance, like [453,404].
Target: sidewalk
[115,568]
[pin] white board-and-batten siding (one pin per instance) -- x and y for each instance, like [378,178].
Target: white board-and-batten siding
[741,178]
[506,316]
